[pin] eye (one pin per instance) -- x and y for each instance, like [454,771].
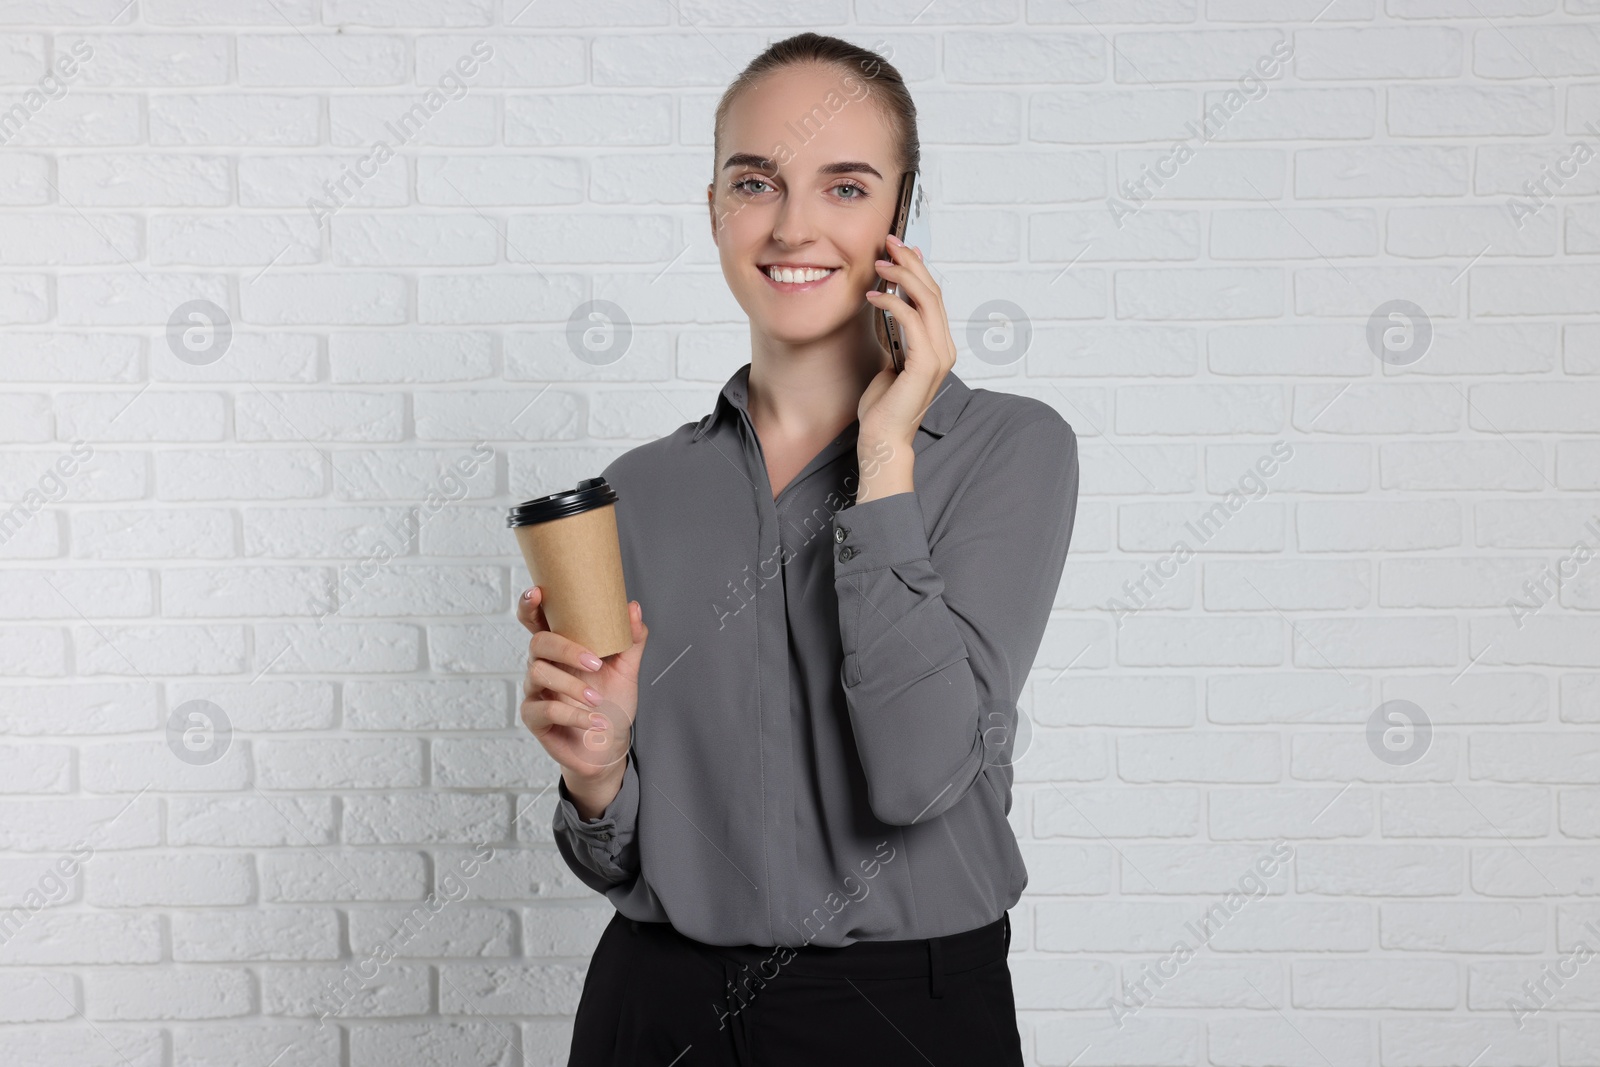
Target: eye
[739,186]
[860,190]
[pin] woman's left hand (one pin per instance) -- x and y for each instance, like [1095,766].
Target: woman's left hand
[892,407]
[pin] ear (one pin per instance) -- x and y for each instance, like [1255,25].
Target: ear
[711,205]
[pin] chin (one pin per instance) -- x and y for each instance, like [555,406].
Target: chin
[794,329]
[792,322]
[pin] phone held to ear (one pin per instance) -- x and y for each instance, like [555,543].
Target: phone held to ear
[910,224]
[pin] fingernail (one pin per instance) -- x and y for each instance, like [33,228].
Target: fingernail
[884,262]
[598,722]
[590,660]
[895,240]
[527,594]
[592,697]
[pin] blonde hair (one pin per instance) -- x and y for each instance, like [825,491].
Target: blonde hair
[885,84]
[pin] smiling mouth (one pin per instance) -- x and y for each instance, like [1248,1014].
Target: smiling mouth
[797,279]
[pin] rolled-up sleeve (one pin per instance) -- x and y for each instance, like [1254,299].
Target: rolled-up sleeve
[603,852]
[935,636]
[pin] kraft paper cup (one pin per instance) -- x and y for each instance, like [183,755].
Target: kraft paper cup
[569,540]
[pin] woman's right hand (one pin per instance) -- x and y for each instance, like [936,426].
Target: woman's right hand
[592,752]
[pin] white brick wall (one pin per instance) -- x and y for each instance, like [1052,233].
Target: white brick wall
[182,531]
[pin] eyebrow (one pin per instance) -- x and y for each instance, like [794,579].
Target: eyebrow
[746,159]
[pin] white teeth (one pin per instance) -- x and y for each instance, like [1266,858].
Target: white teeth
[804,274]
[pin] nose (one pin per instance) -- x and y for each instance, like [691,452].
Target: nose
[793,224]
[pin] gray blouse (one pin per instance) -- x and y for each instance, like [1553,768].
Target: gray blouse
[828,698]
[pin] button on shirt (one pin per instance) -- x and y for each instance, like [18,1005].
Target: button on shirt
[828,696]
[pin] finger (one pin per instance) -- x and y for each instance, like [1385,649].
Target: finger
[931,322]
[540,715]
[530,610]
[636,626]
[903,255]
[912,290]
[640,633]
[556,679]
[547,644]
[914,280]
[910,318]
[931,295]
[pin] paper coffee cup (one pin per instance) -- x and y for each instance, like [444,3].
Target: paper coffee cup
[569,540]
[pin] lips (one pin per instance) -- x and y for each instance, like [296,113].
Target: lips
[803,279]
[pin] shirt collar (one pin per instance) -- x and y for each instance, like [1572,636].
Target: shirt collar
[941,414]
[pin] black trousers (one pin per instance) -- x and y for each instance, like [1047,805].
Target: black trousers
[655,998]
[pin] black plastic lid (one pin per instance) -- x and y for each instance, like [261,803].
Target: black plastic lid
[591,493]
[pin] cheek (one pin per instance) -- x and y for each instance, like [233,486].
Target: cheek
[869,245]
[741,233]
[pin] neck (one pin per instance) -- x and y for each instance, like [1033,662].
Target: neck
[811,391]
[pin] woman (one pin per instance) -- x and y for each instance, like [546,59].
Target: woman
[850,571]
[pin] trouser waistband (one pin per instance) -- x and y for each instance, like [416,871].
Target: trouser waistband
[934,956]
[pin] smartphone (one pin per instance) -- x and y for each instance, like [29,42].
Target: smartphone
[910,224]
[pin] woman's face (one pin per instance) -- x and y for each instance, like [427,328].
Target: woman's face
[822,201]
